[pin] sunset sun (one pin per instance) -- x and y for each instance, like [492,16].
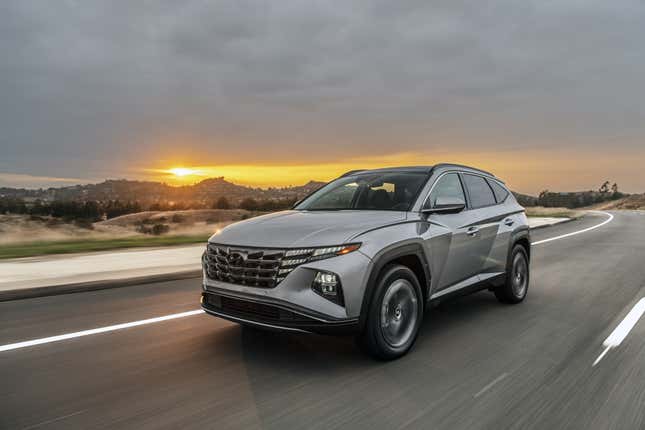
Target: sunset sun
[182,171]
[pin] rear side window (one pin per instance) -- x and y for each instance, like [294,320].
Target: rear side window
[480,192]
[500,192]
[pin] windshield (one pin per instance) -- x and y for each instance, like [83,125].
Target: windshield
[375,191]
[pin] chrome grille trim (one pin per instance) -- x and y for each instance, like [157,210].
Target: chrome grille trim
[261,267]
[256,267]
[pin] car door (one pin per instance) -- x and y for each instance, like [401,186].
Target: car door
[506,214]
[483,224]
[448,238]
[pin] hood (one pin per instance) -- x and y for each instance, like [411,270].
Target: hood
[291,229]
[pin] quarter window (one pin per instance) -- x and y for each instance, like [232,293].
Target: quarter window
[479,191]
[500,192]
[448,185]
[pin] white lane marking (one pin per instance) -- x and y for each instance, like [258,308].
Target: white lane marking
[490,385]
[608,220]
[54,420]
[61,337]
[622,330]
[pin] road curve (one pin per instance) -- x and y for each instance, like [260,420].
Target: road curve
[477,363]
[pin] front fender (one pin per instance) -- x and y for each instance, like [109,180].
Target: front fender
[381,259]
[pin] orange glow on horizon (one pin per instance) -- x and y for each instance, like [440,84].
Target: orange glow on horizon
[524,171]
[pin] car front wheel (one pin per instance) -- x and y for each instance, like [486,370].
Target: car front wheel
[395,314]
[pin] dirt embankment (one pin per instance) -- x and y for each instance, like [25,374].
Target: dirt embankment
[631,202]
[187,217]
[15,229]
[540,211]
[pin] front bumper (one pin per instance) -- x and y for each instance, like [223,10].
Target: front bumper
[295,295]
[272,314]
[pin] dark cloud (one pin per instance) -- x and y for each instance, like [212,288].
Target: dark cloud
[88,87]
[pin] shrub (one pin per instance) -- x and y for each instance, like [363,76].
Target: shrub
[249,204]
[159,229]
[222,203]
[84,223]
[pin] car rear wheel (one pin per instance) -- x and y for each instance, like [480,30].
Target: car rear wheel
[395,314]
[517,277]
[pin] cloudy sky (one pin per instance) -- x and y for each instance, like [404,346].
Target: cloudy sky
[546,94]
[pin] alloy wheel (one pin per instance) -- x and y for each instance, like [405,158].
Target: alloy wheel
[399,313]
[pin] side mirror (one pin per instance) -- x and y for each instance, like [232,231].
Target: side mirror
[445,205]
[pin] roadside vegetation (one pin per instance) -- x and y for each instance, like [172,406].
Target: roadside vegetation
[32,249]
[31,235]
[93,211]
[631,202]
[606,193]
[539,211]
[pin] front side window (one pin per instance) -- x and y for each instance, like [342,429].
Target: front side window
[447,187]
[369,191]
[479,191]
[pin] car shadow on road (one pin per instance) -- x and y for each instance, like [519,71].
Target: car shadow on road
[317,352]
[288,372]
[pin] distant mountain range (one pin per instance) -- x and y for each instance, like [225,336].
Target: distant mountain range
[148,192]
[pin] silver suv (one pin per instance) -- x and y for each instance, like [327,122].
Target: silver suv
[370,251]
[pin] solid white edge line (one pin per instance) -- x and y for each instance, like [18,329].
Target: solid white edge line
[608,220]
[106,329]
[622,330]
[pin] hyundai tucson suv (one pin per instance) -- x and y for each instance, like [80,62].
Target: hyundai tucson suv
[368,253]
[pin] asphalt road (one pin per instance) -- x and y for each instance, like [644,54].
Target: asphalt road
[476,364]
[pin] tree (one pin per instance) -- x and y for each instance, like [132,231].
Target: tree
[222,203]
[614,188]
[249,204]
[604,188]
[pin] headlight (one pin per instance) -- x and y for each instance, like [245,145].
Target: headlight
[295,257]
[306,255]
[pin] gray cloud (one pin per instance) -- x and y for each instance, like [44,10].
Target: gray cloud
[88,86]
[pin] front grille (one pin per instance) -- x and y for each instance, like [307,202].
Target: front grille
[254,267]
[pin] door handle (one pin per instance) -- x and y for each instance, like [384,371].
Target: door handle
[509,222]
[472,231]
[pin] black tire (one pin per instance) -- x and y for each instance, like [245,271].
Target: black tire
[516,285]
[390,331]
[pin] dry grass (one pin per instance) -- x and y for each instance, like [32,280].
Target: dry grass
[539,211]
[32,249]
[18,230]
[15,229]
[187,217]
[635,201]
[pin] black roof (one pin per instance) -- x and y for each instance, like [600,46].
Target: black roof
[418,169]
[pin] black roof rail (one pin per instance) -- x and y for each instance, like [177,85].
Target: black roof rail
[351,172]
[464,167]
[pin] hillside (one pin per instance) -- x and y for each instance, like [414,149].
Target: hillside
[147,192]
